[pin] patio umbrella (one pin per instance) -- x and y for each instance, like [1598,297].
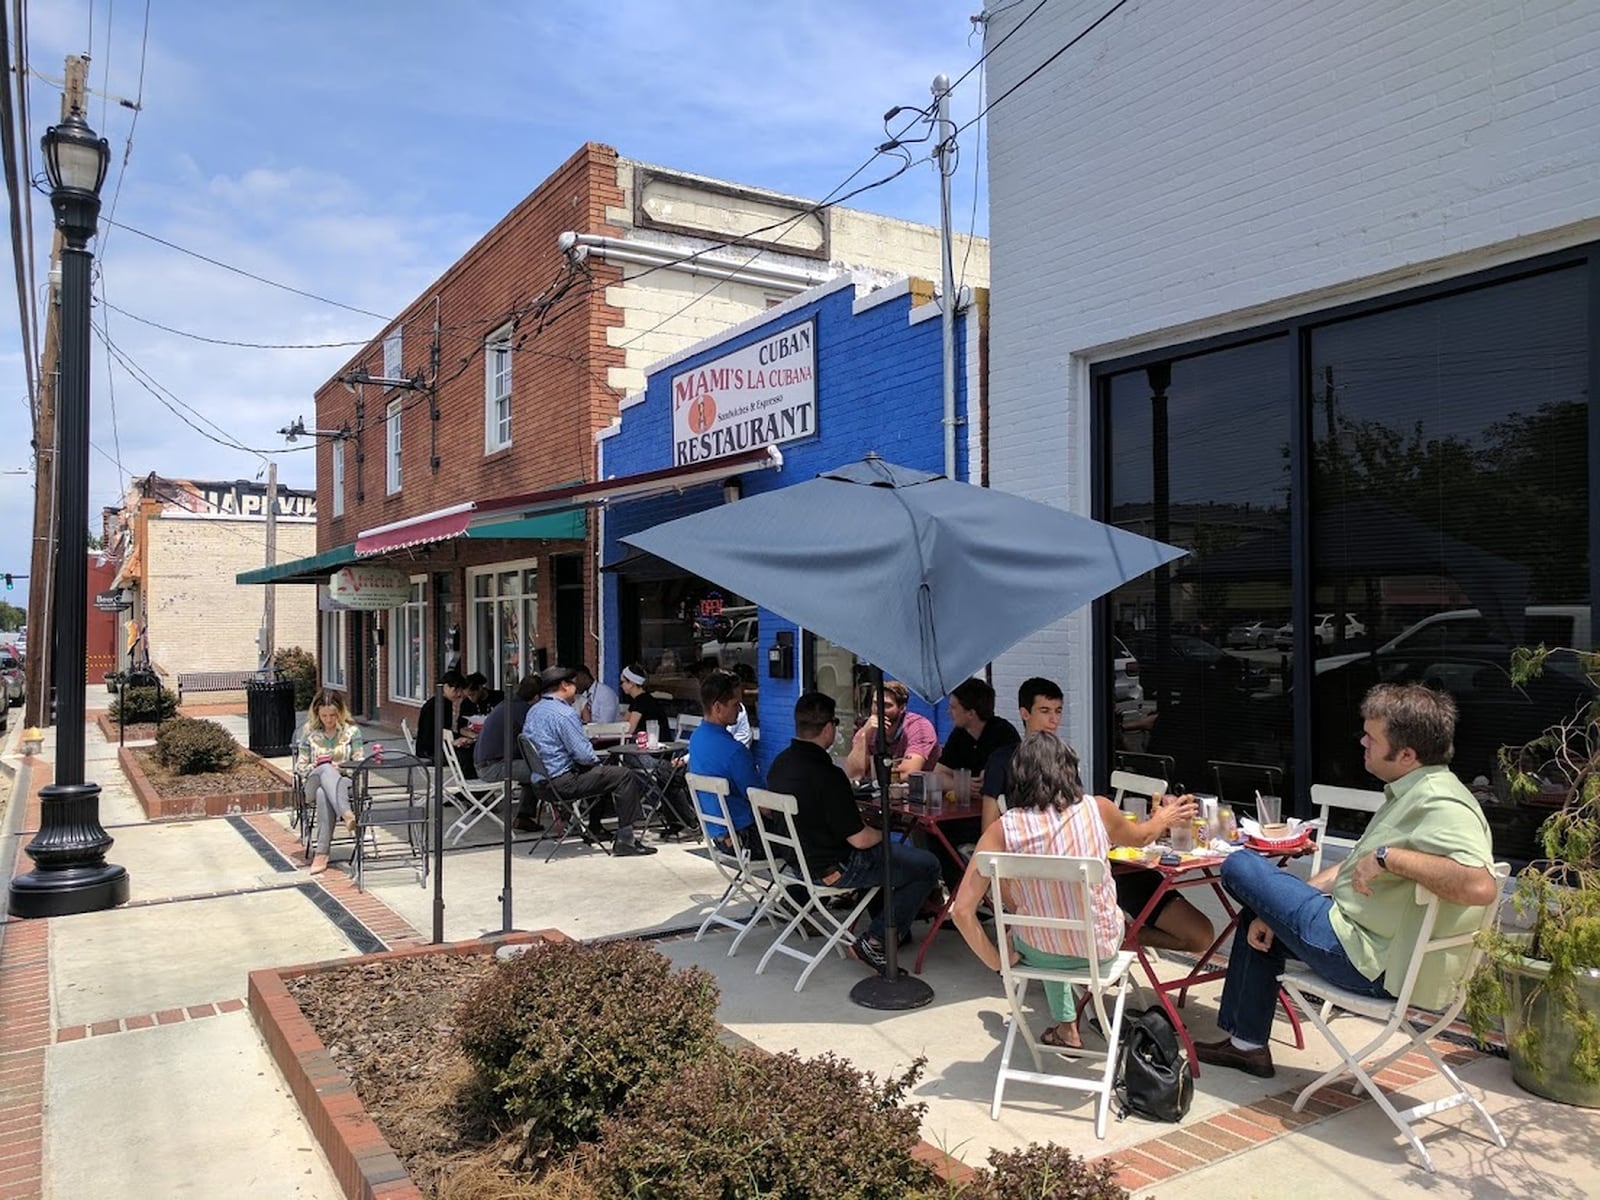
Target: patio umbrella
[926,578]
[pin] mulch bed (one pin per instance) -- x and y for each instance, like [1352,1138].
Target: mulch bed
[388,1025]
[249,775]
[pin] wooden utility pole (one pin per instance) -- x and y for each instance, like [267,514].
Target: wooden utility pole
[38,668]
[269,621]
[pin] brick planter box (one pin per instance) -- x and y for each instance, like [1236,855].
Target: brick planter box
[161,808]
[363,1161]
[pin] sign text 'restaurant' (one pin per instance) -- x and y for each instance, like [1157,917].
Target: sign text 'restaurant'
[757,396]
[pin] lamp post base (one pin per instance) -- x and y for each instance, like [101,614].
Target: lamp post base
[904,991]
[70,873]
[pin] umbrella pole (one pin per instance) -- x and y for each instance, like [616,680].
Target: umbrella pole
[894,989]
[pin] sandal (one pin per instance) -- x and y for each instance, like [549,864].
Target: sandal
[1063,1036]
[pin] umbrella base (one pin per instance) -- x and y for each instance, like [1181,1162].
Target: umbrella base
[904,992]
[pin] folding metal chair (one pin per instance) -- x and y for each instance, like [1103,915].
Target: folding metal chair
[1302,985]
[1079,875]
[410,738]
[749,876]
[476,798]
[569,818]
[1125,784]
[786,860]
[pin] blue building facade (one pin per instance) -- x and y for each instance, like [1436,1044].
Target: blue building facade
[877,362]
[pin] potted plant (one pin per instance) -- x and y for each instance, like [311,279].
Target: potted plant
[115,680]
[1540,973]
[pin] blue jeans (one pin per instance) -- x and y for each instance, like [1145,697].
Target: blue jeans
[1298,916]
[915,873]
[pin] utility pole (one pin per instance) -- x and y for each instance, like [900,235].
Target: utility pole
[269,620]
[944,160]
[39,667]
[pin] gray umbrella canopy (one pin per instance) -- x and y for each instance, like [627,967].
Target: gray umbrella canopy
[927,578]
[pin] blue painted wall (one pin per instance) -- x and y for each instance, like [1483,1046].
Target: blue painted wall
[879,381]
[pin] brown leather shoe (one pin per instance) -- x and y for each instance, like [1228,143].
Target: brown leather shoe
[1225,1054]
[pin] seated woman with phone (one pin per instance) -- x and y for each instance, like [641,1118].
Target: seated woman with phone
[331,740]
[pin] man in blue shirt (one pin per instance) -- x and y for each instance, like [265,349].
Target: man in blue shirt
[572,766]
[713,750]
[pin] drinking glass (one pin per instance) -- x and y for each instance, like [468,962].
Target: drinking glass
[1181,836]
[1269,809]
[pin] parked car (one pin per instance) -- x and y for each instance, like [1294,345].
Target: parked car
[1323,631]
[11,679]
[1252,635]
[1125,675]
[736,651]
[1191,663]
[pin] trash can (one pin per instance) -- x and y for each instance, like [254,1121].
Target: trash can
[269,708]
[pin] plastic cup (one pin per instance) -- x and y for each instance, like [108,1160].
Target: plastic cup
[1136,807]
[1269,809]
[1181,836]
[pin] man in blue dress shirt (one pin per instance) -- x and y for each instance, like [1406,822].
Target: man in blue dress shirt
[574,769]
[713,750]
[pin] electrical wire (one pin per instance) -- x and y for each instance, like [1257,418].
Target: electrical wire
[1085,32]
[214,341]
[127,145]
[977,169]
[8,149]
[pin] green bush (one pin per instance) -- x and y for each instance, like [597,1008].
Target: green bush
[744,1123]
[300,666]
[562,1035]
[138,704]
[1044,1172]
[189,746]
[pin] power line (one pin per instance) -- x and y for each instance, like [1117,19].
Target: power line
[1095,24]
[250,274]
[214,341]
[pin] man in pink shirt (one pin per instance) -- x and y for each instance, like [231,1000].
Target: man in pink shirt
[913,744]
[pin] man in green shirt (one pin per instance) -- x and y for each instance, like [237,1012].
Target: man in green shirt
[1356,923]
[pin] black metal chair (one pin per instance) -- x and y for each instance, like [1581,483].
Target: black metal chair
[570,819]
[1238,783]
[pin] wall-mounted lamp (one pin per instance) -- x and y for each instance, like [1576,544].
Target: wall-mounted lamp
[732,489]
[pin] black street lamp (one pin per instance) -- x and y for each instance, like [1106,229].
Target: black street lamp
[70,872]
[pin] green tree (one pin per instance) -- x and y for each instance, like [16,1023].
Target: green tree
[12,617]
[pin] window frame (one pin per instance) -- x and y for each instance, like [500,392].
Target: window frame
[497,369]
[400,620]
[393,476]
[487,659]
[333,648]
[394,355]
[336,484]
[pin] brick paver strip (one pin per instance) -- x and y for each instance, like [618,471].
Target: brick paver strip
[24,1038]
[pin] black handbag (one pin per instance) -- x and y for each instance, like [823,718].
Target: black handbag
[1153,1078]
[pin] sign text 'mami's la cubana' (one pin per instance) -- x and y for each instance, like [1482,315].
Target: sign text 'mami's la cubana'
[757,396]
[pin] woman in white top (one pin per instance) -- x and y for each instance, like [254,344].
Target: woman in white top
[1046,814]
[330,741]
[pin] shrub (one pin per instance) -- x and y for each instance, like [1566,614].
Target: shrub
[1047,1172]
[138,704]
[564,1034]
[188,746]
[744,1123]
[298,665]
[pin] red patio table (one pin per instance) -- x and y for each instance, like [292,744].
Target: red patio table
[929,820]
[1197,870]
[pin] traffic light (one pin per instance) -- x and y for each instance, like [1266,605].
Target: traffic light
[8,581]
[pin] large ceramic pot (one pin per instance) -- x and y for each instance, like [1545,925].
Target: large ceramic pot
[1556,1081]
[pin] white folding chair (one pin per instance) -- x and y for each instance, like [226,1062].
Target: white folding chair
[748,878]
[686,724]
[786,859]
[606,731]
[1125,784]
[1302,985]
[410,738]
[476,798]
[1079,875]
[1328,798]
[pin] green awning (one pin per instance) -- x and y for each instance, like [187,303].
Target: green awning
[314,569]
[564,525]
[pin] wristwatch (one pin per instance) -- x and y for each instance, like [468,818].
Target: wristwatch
[1382,855]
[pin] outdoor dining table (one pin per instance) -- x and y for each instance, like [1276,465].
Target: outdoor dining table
[1200,869]
[928,819]
[642,761]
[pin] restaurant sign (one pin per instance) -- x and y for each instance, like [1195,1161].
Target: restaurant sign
[760,395]
[369,588]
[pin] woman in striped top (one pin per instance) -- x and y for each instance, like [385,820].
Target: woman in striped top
[1046,814]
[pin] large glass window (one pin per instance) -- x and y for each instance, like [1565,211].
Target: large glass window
[680,626]
[392,451]
[497,390]
[1199,459]
[338,479]
[334,649]
[407,636]
[1444,440]
[505,609]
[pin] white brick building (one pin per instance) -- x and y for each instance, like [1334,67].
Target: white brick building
[1189,178]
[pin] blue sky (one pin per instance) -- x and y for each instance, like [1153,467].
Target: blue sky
[354,150]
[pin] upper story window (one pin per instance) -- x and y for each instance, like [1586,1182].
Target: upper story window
[497,390]
[392,457]
[338,479]
[394,354]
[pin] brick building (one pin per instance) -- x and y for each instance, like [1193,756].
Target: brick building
[179,545]
[467,466]
[876,362]
[1331,275]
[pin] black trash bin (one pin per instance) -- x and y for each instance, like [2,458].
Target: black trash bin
[269,708]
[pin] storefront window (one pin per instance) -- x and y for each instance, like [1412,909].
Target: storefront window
[836,672]
[334,648]
[505,605]
[682,626]
[407,633]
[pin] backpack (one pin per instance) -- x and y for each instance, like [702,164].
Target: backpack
[1153,1078]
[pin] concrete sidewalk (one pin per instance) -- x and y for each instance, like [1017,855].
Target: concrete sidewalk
[128,1064]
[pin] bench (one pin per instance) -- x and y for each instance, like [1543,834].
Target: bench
[215,681]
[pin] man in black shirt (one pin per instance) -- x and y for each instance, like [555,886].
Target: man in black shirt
[841,850]
[978,733]
[455,725]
